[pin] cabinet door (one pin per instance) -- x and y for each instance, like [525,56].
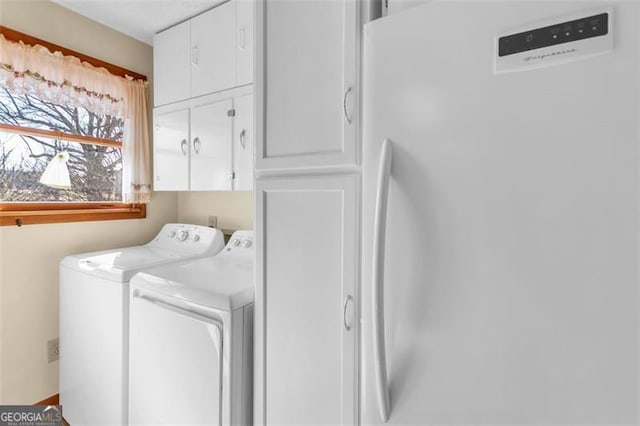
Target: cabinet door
[308,83]
[243,143]
[306,332]
[211,146]
[171,150]
[171,59]
[213,49]
[244,34]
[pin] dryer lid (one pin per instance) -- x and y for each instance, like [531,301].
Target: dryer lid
[220,282]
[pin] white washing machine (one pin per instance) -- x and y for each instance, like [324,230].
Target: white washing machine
[191,340]
[94,309]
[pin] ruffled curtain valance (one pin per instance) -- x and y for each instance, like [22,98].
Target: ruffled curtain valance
[65,80]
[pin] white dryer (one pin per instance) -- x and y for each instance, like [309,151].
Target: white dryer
[94,309]
[191,340]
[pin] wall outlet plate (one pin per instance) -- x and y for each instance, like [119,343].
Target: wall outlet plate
[53,349]
[212,221]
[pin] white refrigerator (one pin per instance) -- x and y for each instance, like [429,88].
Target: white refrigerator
[500,284]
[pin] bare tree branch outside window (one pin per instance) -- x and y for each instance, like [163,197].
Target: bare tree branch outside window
[96,170]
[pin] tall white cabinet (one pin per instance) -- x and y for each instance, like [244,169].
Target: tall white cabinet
[307,212]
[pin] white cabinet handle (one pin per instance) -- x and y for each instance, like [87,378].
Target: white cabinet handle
[194,55]
[347,116]
[243,139]
[346,315]
[197,145]
[242,42]
[379,237]
[183,146]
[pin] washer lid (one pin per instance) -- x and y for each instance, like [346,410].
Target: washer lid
[220,282]
[120,265]
[174,242]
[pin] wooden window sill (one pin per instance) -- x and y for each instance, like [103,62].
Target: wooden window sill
[18,214]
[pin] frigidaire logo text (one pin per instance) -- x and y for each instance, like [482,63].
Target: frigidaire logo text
[548,55]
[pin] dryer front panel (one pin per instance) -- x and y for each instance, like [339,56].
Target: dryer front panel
[175,365]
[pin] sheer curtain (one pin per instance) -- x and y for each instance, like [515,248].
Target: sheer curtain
[66,80]
[136,158]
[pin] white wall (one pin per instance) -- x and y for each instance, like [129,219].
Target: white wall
[29,255]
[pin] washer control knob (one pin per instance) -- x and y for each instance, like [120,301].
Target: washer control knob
[195,237]
[172,234]
[235,242]
[246,244]
[182,235]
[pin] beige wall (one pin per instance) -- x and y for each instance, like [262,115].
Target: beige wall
[29,291]
[29,256]
[234,209]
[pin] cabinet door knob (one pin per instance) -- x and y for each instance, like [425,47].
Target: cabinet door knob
[197,145]
[243,139]
[242,43]
[183,146]
[347,116]
[347,314]
[194,55]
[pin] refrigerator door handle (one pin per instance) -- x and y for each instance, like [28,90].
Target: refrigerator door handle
[379,237]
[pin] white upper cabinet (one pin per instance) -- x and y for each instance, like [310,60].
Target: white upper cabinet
[171,150]
[203,115]
[171,64]
[209,53]
[205,144]
[309,76]
[213,50]
[244,39]
[192,146]
[211,126]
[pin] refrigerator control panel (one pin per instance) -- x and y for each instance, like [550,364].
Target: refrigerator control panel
[560,41]
[579,29]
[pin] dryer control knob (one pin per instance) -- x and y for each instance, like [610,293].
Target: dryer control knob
[246,244]
[183,235]
[195,237]
[172,234]
[235,242]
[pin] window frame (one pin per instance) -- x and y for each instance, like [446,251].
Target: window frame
[63,212]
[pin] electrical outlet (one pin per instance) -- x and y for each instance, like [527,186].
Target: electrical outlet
[212,221]
[53,349]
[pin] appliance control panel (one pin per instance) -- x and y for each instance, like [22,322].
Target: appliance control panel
[553,42]
[241,243]
[190,238]
[565,32]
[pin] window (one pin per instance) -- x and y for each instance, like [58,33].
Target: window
[63,123]
[33,131]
